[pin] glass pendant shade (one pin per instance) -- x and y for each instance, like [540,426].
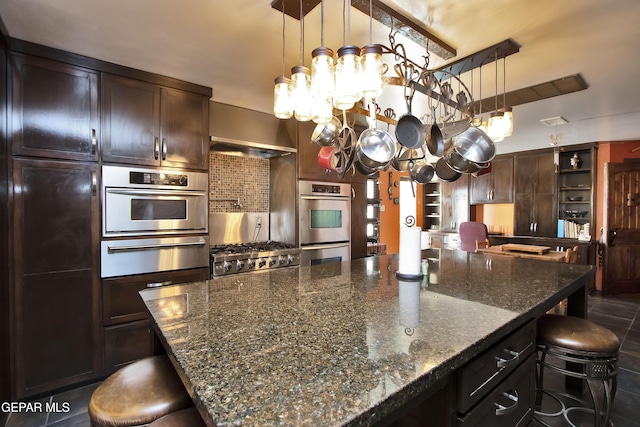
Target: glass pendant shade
[495,129]
[322,67]
[507,121]
[495,126]
[282,106]
[321,109]
[347,78]
[300,92]
[372,68]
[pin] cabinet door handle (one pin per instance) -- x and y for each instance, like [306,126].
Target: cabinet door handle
[164,148]
[94,183]
[535,227]
[504,363]
[504,410]
[94,141]
[156,148]
[531,227]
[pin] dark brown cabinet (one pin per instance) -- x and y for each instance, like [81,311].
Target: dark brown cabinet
[55,295]
[150,125]
[454,203]
[496,186]
[54,109]
[128,333]
[535,194]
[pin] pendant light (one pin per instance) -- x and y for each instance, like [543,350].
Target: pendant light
[322,78]
[282,106]
[372,67]
[495,117]
[300,89]
[347,73]
[507,118]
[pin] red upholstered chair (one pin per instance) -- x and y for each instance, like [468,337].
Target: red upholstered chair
[470,232]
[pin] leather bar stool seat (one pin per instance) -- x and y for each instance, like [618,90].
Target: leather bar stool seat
[184,418]
[138,394]
[585,350]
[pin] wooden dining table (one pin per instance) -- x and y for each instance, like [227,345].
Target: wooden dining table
[524,251]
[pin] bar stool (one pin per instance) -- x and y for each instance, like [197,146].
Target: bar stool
[183,418]
[138,394]
[591,350]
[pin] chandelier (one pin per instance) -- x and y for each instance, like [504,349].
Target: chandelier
[353,79]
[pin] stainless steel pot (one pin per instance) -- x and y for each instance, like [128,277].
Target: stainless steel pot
[422,172]
[327,134]
[459,163]
[474,145]
[444,171]
[375,147]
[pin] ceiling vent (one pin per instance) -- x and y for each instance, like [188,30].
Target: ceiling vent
[555,121]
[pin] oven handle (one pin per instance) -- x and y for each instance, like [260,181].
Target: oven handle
[158,246]
[328,246]
[303,197]
[146,192]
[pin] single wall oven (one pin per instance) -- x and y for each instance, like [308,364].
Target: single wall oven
[152,202]
[325,222]
[153,220]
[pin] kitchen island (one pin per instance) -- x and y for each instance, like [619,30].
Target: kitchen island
[349,343]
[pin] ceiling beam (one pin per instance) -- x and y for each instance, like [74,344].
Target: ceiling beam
[384,14]
[480,58]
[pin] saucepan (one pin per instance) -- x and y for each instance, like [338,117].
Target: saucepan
[327,157]
[474,145]
[444,171]
[459,163]
[375,147]
[326,134]
[422,172]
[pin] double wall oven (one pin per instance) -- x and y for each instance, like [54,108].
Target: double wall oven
[153,220]
[324,222]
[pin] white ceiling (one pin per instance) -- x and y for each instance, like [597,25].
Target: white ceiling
[235,47]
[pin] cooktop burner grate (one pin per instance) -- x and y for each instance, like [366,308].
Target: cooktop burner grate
[253,256]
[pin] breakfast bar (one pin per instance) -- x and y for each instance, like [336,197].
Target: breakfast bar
[351,344]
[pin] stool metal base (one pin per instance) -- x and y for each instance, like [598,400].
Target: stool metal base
[564,409]
[593,368]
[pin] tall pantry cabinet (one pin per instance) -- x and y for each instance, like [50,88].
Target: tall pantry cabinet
[53,128]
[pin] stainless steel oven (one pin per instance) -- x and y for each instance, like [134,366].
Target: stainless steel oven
[139,202]
[324,222]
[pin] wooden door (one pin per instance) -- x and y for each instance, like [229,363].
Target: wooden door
[55,109]
[621,228]
[55,300]
[184,119]
[130,121]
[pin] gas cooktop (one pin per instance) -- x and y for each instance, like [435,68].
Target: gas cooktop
[245,257]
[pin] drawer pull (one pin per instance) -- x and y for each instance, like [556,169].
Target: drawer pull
[504,363]
[159,284]
[504,410]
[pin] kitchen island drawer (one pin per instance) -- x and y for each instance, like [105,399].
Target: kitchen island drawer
[482,374]
[509,404]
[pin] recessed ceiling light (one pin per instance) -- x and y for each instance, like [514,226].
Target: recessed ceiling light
[555,121]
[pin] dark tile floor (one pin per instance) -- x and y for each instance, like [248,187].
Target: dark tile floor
[620,314]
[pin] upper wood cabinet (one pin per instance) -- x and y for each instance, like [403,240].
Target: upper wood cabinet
[496,186]
[150,125]
[535,194]
[54,109]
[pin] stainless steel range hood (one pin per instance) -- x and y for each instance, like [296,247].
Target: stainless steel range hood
[242,132]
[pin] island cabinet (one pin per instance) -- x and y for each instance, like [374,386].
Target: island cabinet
[150,125]
[496,186]
[535,209]
[454,203]
[54,109]
[56,325]
[128,334]
[497,388]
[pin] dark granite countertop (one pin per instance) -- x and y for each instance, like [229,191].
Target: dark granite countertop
[344,343]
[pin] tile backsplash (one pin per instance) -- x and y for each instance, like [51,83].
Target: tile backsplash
[243,179]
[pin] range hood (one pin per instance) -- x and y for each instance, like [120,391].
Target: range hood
[242,132]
